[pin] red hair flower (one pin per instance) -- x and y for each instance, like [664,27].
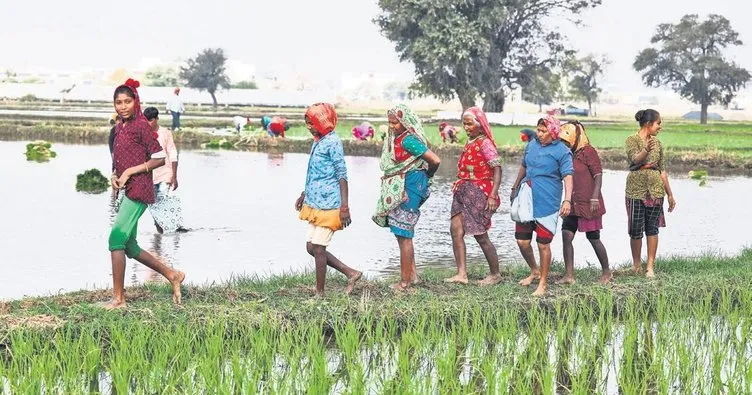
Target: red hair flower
[131,83]
[524,137]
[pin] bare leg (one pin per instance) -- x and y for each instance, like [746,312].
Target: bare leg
[414,279]
[489,251]
[319,256]
[527,253]
[636,246]
[566,238]
[460,251]
[352,275]
[652,251]
[407,259]
[118,281]
[545,257]
[175,277]
[600,252]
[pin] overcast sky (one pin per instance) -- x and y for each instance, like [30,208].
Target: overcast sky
[321,38]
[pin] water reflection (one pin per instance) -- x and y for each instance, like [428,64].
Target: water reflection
[239,206]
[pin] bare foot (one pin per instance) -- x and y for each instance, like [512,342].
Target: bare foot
[606,277]
[112,304]
[415,280]
[351,282]
[400,286]
[540,291]
[318,295]
[529,279]
[491,279]
[176,279]
[649,273]
[637,269]
[457,279]
[566,280]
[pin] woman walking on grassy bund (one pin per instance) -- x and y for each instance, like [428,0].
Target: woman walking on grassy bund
[136,152]
[545,164]
[408,165]
[587,201]
[647,185]
[476,196]
[324,202]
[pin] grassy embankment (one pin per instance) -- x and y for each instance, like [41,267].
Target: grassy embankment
[717,145]
[687,331]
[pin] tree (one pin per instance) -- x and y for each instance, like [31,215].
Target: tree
[245,85]
[206,72]
[688,59]
[161,76]
[540,86]
[475,48]
[584,82]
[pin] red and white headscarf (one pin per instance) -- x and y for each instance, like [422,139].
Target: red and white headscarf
[553,126]
[480,119]
[324,118]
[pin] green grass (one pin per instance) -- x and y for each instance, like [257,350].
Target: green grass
[730,137]
[687,331]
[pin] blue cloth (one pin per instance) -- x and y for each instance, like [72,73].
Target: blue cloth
[403,219]
[326,166]
[545,167]
[414,146]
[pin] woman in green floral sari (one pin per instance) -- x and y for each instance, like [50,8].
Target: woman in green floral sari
[408,165]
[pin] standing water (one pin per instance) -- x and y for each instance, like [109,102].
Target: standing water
[239,207]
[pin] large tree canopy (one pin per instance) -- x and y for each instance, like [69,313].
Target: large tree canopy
[687,57]
[584,74]
[474,48]
[207,72]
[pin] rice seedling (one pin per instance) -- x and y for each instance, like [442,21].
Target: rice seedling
[639,337]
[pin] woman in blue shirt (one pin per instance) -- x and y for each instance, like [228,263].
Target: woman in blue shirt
[545,164]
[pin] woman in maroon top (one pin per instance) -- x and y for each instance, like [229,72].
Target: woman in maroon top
[135,153]
[588,208]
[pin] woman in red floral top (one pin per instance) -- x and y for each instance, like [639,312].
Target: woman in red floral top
[476,196]
[135,153]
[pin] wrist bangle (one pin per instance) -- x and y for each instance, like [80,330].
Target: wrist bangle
[595,200]
[566,201]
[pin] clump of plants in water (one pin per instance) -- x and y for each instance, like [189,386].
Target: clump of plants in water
[92,181]
[700,175]
[219,143]
[39,151]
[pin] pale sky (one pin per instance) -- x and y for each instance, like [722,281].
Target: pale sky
[318,39]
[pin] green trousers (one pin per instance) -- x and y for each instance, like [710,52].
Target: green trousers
[123,234]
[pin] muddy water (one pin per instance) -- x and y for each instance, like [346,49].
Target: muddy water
[239,207]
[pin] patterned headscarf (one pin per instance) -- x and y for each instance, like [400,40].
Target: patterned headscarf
[574,134]
[133,85]
[480,119]
[324,118]
[408,119]
[553,126]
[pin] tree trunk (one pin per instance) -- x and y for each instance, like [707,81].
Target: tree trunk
[214,100]
[704,113]
[540,107]
[589,107]
[493,102]
[467,99]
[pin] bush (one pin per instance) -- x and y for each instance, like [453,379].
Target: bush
[28,98]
